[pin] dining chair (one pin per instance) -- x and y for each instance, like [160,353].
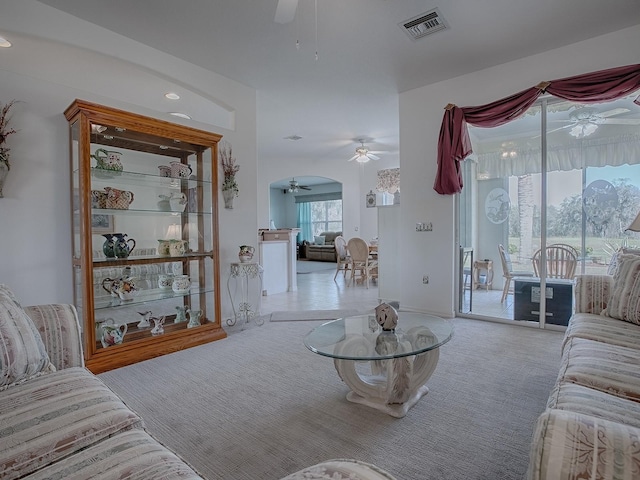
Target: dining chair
[342,256]
[561,262]
[507,271]
[362,266]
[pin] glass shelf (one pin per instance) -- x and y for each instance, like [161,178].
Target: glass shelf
[136,211]
[139,259]
[100,175]
[146,296]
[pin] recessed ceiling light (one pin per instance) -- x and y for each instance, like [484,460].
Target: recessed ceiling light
[172,96]
[181,115]
[4,42]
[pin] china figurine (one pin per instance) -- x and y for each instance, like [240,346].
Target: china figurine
[158,325]
[144,323]
[194,318]
[387,317]
[181,314]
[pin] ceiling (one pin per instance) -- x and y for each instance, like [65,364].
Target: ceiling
[364,58]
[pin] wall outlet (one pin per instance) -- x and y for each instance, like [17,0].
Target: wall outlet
[425,279]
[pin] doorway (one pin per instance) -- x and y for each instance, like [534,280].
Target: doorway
[563,174]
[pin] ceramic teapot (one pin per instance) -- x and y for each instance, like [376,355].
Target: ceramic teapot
[121,247]
[124,287]
[118,199]
[177,202]
[108,159]
[112,333]
[246,253]
[180,170]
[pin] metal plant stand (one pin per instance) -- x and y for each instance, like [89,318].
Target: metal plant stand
[245,291]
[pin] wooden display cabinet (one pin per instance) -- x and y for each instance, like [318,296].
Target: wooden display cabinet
[119,187]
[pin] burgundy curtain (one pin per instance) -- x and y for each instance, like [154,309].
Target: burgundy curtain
[454,144]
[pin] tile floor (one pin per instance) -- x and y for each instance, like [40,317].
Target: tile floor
[318,291]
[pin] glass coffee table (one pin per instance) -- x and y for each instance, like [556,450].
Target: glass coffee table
[400,361]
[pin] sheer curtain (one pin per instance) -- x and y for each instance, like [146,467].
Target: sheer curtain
[304,221]
[454,144]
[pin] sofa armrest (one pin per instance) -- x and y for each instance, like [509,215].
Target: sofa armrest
[60,331]
[592,293]
[568,445]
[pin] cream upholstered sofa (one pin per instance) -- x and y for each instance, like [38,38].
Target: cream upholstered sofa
[326,252]
[591,427]
[59,421]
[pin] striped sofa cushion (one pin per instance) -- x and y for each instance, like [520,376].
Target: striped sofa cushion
[624,303]
[580,399]
[603,329]
[128,455]
[608,368]
[22,353]
[568,445]
[56,415]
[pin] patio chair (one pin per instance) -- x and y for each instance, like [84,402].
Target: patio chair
[561,262]
[508,273]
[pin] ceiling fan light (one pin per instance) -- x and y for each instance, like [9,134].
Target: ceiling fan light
[581,131]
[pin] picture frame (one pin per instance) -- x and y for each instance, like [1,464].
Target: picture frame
[102,223]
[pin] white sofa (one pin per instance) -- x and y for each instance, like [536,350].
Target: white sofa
[591,426]
[59,421]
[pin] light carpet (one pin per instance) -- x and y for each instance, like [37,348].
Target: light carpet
[310,266]
[259,405]
[289,316]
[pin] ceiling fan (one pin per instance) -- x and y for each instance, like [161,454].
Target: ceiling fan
[363,154]
[294,186]
[583,121]
[286,11]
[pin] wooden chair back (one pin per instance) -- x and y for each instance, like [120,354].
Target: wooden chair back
[561,262]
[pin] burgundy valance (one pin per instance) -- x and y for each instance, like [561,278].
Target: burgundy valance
[454,144]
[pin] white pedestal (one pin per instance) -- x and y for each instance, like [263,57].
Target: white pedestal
[245,291]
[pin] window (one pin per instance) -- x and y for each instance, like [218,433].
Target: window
[326,216]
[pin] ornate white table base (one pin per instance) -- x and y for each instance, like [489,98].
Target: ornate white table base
[241,302]
[394,386]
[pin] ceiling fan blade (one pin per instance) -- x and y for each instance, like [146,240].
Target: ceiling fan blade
[354,157]
[286,11]
[372,157]
[621,121]
[304,187]
[615,111]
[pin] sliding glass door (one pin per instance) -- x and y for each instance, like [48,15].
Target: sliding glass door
[565,175]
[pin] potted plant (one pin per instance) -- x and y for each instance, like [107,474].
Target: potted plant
[229,170]
[5,131]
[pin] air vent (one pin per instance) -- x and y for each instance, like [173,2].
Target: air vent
[424,24]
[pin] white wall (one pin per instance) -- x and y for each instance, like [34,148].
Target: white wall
[46,72]
[421,112]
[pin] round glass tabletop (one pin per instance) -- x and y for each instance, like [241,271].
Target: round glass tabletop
[361,338]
